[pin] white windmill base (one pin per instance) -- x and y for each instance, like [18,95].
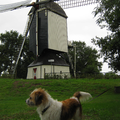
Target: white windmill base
[43,71]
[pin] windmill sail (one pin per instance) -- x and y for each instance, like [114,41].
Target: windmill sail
[13,6]
[75,3]
[30,19]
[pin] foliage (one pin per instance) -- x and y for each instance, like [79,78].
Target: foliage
[14,92]
[9,50]
[108,13]
[86,58]
[10,45]
[111,75]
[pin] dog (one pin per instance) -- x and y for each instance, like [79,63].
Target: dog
[50,109]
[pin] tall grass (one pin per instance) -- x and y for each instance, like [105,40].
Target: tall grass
[13,94]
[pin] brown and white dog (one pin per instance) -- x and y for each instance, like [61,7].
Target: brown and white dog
[50,109]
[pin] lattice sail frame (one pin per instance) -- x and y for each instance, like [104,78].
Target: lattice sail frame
[75,3]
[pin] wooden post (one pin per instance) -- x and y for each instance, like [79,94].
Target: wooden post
[75,61]
[44,72]
[117,89]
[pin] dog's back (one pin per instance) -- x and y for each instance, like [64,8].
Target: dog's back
[71,108]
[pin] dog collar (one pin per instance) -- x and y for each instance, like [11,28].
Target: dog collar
[44,110]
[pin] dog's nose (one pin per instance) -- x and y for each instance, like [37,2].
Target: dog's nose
[27,101]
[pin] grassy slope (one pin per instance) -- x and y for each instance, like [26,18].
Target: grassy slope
[13,94]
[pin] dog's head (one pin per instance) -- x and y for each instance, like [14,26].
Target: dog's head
[37,97]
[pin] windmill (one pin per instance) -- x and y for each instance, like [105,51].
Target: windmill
[47,26]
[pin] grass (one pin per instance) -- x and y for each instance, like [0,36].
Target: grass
[13,94]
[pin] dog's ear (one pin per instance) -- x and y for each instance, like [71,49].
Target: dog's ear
[38,98]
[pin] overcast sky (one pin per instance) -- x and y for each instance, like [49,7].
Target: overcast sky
[81,23]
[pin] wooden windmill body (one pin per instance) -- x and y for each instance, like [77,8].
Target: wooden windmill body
[48,38]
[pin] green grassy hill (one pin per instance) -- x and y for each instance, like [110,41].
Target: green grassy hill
[13,94]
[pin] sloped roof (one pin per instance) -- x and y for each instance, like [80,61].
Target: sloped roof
[55,8]
[47,55]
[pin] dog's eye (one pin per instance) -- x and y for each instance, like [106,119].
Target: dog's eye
[30,98]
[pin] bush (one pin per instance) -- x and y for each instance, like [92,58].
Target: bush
[111,75]
[7,76]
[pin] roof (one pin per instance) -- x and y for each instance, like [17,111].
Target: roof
[54,7]
[47,55]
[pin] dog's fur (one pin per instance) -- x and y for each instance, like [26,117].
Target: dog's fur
[50,109]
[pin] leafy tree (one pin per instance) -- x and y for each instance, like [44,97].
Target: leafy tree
[10,44]
[86,58]
[108,13]
[9,49]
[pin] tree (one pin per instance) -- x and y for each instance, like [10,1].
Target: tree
[108,13]
[10,42]
[9,49]
[86,58]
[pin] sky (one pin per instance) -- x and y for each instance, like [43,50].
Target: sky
[81,24]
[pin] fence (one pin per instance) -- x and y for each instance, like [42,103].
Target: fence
[66,75]
[58,75]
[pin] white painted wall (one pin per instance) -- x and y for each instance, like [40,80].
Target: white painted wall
[40,71]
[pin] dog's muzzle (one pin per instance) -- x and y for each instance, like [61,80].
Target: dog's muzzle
[28,102]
